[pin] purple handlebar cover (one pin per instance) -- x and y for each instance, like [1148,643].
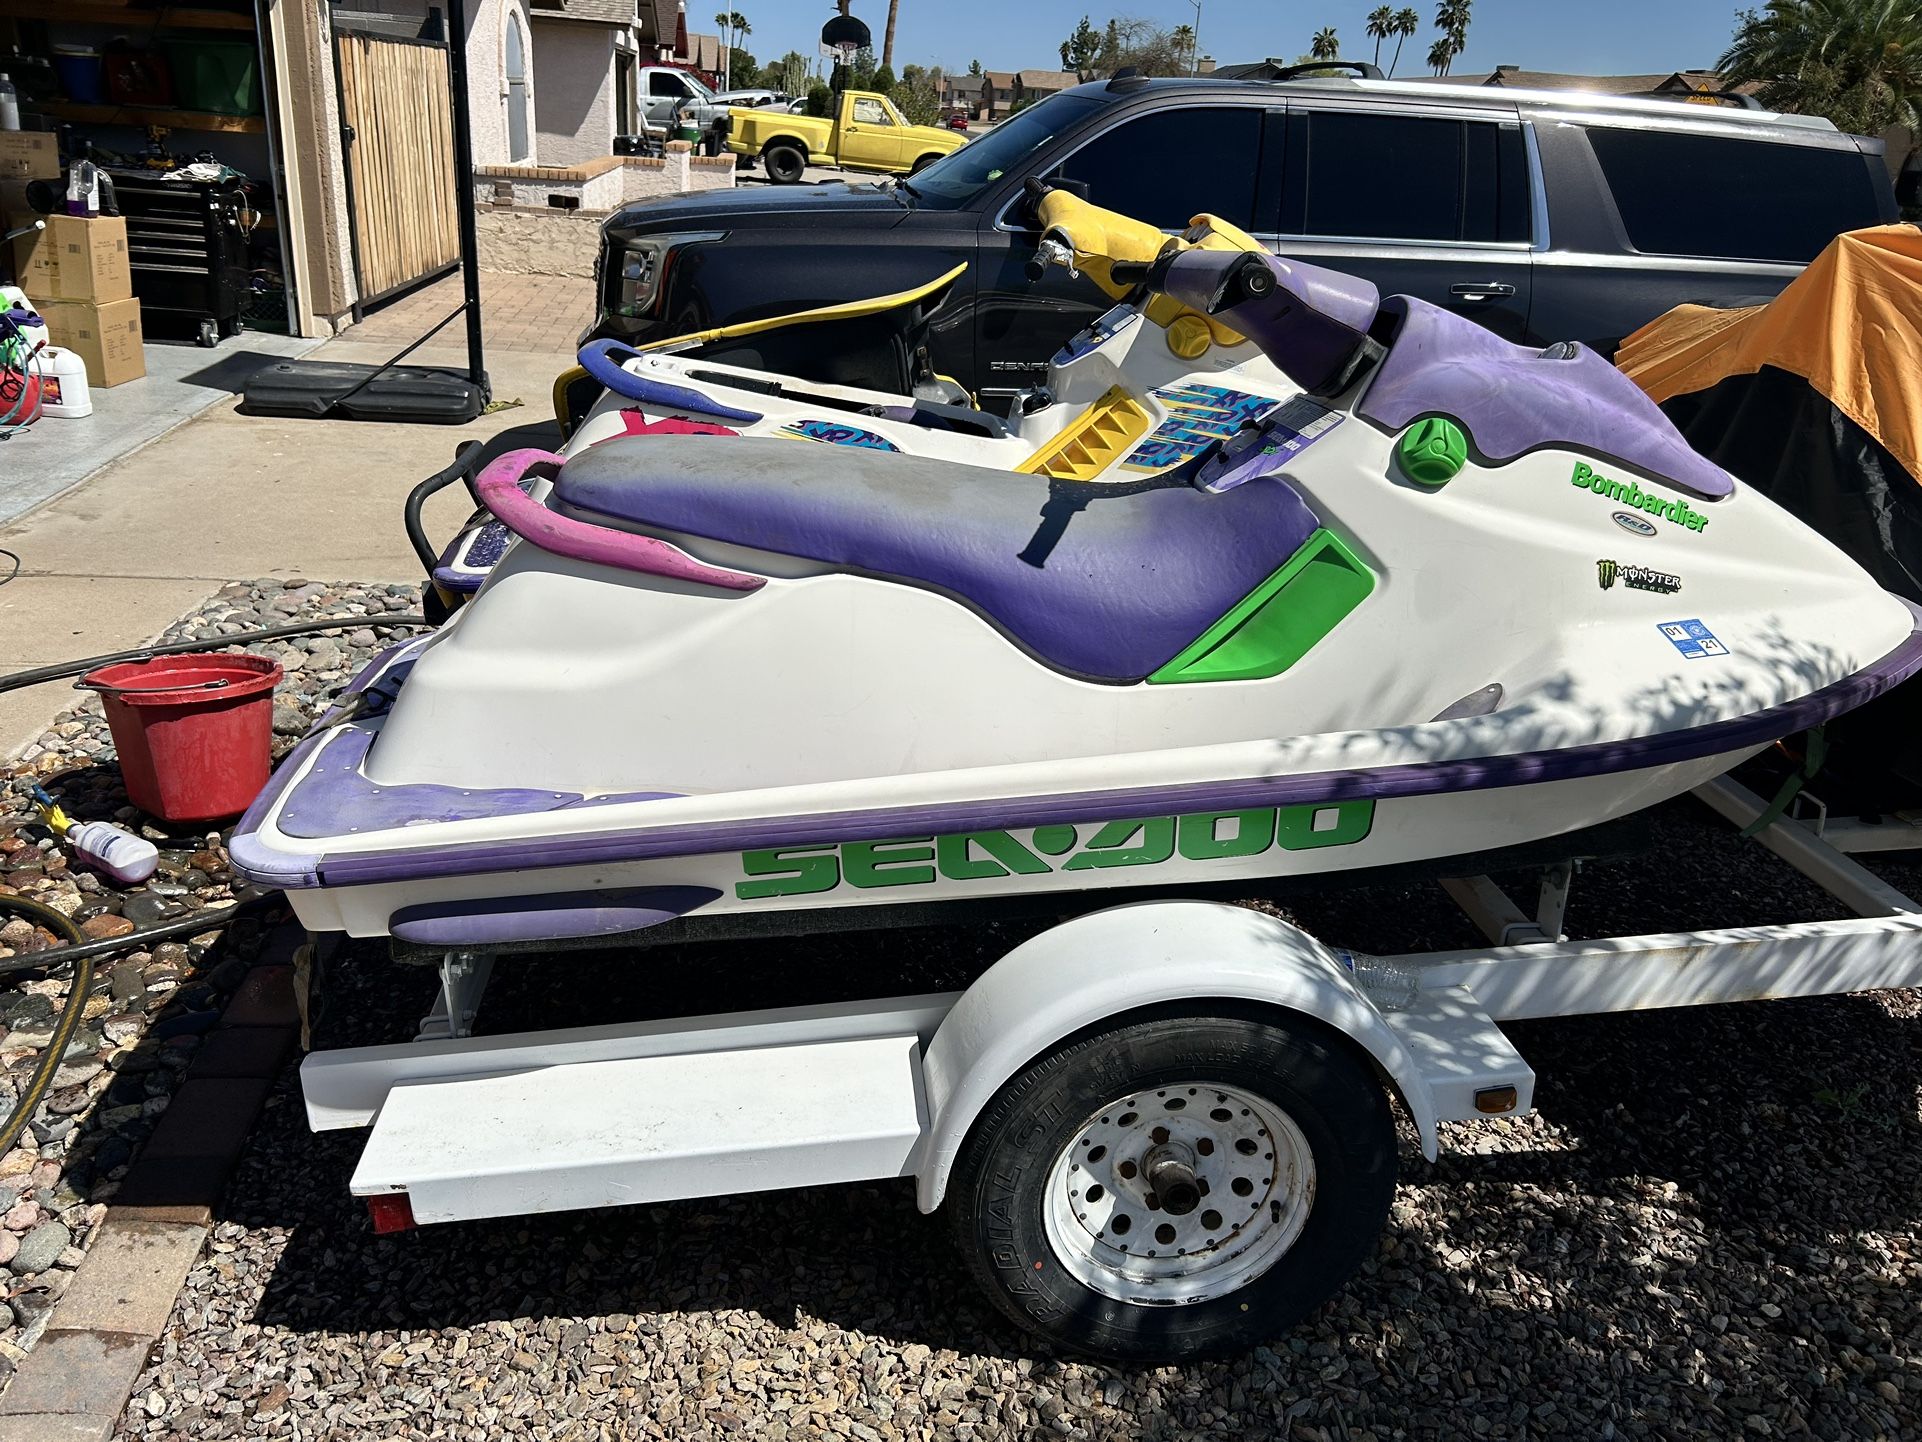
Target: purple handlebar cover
[1310,325]
[500,490]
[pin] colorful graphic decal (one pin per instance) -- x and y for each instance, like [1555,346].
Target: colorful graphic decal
[1633,524]
[988,855]
[635,423]
[836,433]
[1198,416]
[1637,499]
[1692,639]
[1636,578]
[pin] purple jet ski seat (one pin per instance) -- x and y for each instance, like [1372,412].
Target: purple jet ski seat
[1105,583]
[1512,399]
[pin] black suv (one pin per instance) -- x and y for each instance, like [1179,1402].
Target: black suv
[1545,215]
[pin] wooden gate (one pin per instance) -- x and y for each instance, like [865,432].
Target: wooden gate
[397,132]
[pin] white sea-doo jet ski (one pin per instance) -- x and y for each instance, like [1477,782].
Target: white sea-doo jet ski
[1431,594]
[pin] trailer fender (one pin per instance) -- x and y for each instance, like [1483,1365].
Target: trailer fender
[1112,962]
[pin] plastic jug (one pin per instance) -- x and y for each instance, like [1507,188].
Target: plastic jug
[83,189]
[63,384]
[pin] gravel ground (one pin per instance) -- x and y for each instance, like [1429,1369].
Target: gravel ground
[1710,1229]
[150,1006]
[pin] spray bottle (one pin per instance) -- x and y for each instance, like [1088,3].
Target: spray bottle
[109,849]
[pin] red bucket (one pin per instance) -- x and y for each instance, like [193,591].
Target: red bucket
[193,731]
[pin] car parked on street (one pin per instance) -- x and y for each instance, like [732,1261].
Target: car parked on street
[1547,216]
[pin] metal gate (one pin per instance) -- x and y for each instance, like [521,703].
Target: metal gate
[397,133]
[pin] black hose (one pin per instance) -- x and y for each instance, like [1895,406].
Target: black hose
[84,950]
[62,669]
[63,1029]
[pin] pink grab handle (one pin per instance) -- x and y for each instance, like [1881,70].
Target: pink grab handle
[499,484]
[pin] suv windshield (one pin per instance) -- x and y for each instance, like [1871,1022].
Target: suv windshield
[957,179]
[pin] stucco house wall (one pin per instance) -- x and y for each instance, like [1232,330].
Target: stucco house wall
[487,25]
[574,112]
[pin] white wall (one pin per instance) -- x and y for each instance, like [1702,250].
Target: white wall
[487,22]
[574,113]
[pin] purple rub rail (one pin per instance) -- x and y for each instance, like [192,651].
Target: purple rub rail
[500,491]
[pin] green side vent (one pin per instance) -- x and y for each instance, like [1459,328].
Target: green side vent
[1282,620]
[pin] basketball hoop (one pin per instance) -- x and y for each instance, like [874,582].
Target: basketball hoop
[843,37]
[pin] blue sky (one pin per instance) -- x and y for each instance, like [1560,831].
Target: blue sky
[1618,36]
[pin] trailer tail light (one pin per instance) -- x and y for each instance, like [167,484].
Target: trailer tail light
[391,1213]
[1493,1100]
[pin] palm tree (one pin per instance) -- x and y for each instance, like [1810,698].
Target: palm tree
[733,25]
[1184,39]
[1326,45]
[1451,18]
[1441,55]
[1381,26]
[1858,62]
[887,40]
[1407,22]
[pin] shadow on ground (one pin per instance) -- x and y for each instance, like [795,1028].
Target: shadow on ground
[1708,1220]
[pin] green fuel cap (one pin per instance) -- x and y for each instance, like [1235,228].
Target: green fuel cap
[1432,452]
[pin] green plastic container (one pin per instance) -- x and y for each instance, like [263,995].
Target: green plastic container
[222,76]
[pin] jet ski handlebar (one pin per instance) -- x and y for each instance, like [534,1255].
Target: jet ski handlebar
[1310,321]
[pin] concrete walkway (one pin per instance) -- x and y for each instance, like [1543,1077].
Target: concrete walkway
[55,455]
[229,497]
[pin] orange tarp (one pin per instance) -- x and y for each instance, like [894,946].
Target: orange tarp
[1850,325]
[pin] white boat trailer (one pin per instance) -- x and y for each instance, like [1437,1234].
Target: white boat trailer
[465,1127]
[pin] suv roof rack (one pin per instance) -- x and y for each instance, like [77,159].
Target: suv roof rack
[1712,97]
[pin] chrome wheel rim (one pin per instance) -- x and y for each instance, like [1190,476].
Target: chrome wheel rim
[1240,1178]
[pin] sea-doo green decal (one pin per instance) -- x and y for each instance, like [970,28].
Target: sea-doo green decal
[1635,498]
[1281,620]
[988,855]
[1432,452]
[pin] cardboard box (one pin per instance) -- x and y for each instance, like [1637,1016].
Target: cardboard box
[107,338]
[25,155]
[29,155]
[76,259]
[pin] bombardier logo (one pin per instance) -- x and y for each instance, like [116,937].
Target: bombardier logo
[1636,578]
[1636,499]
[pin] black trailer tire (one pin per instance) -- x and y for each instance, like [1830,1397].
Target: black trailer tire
[1056,1143]
[784,163]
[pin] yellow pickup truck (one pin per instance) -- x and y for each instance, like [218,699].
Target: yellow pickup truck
[865,133]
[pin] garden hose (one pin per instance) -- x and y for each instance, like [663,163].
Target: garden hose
[78,989]
[84,950]
[60,670]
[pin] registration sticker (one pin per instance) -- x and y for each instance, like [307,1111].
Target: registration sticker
[1693,639]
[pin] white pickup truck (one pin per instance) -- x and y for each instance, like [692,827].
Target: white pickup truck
[664,90]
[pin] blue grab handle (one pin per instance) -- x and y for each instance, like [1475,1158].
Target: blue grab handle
[598,360]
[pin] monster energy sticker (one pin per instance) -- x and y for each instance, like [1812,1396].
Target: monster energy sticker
[835,433]
[1198,416]
[1636,578]
[988,855]
[1635,498]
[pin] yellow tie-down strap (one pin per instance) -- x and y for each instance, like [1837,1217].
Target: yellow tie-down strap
[843,310]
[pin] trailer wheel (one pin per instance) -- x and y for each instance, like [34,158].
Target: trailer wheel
[1178,1187]
[784,163]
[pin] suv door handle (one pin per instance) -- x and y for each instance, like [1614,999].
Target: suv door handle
[1492,290]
